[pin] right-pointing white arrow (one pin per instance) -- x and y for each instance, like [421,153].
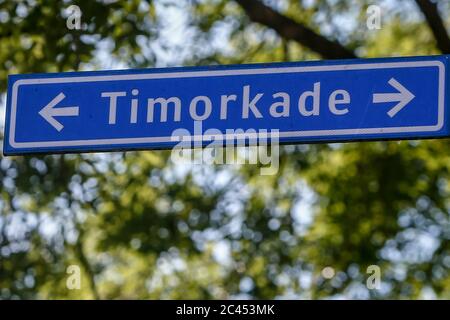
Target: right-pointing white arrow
[49,111]
[403,97]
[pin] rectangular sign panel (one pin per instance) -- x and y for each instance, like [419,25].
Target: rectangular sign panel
[304,102]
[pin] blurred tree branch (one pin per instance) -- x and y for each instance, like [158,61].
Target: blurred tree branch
[293,30]
[79,251]
[437,26]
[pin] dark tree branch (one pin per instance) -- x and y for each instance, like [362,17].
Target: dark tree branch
[79,250]
[292,30]
[437,26]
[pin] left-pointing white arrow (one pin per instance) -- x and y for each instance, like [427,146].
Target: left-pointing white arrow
[49,112]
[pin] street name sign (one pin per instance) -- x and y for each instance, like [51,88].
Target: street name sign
[300,102]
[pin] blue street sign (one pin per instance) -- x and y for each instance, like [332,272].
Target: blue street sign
[304,102]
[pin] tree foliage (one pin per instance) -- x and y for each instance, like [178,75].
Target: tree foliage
[141,227]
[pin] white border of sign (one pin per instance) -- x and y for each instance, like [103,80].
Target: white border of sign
[235,72]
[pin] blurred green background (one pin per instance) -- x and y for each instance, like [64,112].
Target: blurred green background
[141,227]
